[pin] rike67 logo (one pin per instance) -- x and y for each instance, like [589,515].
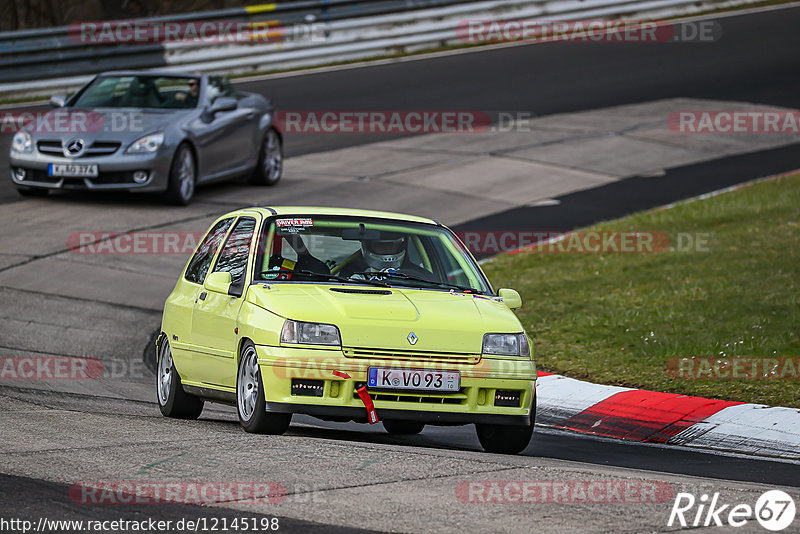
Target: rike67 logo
[774,510]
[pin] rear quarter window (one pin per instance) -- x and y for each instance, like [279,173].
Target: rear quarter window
[198,266]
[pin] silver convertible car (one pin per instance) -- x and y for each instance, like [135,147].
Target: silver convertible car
[160,132]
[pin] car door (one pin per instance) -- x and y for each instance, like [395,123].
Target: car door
[215,315]
[182,300]
[226,138]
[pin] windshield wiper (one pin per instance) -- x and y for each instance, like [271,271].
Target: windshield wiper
[403,276]
[327,277]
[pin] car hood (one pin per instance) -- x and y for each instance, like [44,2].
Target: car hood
[370,317]
[106,124]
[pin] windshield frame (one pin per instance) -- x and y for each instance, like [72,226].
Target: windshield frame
[264,245]
[73,100]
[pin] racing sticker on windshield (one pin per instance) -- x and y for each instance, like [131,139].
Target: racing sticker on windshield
[282,223]
[293,226]
[278,272]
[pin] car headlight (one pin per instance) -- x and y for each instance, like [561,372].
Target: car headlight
[22,142]
[147,144]
[310,333]
[506,345]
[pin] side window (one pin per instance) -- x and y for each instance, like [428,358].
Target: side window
[218,86]
[201,261]
[233,258]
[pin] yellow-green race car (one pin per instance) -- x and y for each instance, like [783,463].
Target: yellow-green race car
[345,315]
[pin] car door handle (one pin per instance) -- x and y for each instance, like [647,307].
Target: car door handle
[203,295]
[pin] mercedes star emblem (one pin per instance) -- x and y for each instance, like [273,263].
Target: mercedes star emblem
[74,147]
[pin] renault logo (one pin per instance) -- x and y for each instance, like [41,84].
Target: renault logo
[74,147]
[412,338]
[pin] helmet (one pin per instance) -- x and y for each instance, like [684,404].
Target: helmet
[383,254]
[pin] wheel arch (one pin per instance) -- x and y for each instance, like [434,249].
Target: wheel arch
[160,338]
[239,347]
[195,154]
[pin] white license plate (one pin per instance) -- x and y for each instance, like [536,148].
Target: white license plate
[415,379]
[72,170]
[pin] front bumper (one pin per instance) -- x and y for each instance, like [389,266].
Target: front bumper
[115,172]
[474,403]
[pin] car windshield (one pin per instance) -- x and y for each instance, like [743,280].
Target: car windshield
[140,92]
[383,252]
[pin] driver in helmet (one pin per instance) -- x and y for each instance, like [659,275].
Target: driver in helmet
[381,254]
[386,254]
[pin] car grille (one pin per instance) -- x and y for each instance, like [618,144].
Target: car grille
[420,398]
[50,147]
[97,148]
[452,357]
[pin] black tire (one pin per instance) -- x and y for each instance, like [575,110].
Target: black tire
[182,177]
[504,439]
[403,427]
[269,168]
[253,416]
[174,402]
[32,192]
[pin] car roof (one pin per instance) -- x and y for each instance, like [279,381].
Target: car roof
[296,211]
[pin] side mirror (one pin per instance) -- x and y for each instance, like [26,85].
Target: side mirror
[58,101]
[510,298]
[218,282]
[224,103]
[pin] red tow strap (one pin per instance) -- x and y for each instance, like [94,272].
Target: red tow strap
[372,415]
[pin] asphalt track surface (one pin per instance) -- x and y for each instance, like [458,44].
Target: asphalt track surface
[561,445]
[30,494]
[756,61]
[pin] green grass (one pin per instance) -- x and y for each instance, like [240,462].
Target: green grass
[618,318]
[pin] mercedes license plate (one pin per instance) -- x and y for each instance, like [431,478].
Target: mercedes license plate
[72,170]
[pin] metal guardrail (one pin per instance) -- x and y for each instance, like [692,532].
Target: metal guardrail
[349,30]
[36,39]
[49,52]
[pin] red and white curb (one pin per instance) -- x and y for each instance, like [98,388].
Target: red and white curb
[667,418]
